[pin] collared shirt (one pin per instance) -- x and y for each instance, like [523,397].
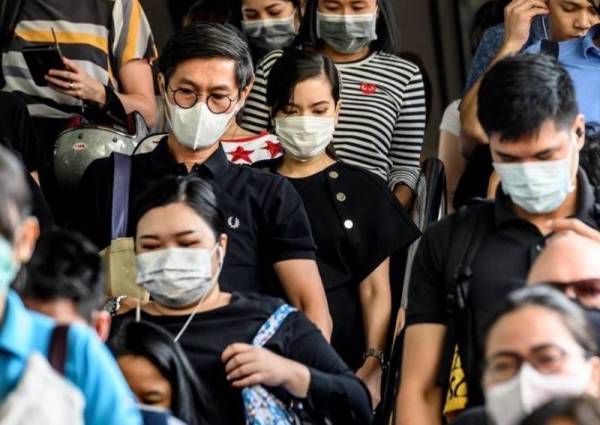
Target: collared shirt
[89,365]
[266,220]
[501,265]
[581,59]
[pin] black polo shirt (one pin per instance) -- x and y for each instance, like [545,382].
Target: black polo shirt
[266,220]
[501,265]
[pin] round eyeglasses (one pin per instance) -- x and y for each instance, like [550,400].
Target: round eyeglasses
[217,103]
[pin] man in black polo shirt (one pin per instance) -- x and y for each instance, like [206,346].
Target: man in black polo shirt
[528,108]
[206,75]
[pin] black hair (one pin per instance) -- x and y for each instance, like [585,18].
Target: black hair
[589,156]
[490,14]
[196,193]
[583,410]
[190,399]
[210,11]
[207,40]
[65,265]
[571,314]
[294,67]
[520,93]
[15,197]
[388,36]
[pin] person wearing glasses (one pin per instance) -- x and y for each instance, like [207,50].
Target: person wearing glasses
[539,346]
[205,76]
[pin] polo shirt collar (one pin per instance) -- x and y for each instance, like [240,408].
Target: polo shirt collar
[162,159]
[588,41]
[587,207]
[16,327]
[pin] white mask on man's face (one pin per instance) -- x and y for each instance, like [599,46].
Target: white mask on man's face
[197,127]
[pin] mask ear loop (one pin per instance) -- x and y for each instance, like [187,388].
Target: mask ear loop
[544,27]
[213,282]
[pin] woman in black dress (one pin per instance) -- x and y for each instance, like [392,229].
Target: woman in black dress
[181,243]
[356,221]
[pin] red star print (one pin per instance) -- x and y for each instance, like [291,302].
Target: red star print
[274,149]
[241,154]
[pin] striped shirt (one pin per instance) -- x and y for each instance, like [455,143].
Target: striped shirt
[382,119]
[99,35]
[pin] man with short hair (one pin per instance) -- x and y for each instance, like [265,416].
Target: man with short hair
[88,365]
[206,74]
[528,109]
[65,281]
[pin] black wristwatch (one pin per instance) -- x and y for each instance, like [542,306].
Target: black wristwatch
[372,352]
[112,305]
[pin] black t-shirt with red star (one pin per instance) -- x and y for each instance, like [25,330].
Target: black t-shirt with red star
[266,220]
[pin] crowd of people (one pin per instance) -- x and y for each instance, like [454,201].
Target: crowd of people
[243,264]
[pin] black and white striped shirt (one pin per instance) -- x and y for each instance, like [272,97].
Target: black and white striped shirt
[382,119]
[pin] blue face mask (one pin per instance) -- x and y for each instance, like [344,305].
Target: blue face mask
[537,187]
[8,266]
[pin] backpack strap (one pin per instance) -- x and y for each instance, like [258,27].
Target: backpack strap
[272,325]
[120,196]
[57,351]
[469,228]
[550,48]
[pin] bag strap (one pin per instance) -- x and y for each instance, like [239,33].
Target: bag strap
[550,48]
[120,196]
[57,352]
[469,228]
[272,325]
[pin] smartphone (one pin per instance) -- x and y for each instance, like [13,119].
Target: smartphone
[41,59]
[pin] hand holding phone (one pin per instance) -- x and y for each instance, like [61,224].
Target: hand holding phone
[41,59]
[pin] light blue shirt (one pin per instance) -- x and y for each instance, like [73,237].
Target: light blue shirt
[581,59]
[89,365]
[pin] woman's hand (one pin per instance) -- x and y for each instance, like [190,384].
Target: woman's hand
[370,373]
[75,82]
[247,365]
[574,225]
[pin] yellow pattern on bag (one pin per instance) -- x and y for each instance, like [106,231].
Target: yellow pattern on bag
[121,270]
[457,396]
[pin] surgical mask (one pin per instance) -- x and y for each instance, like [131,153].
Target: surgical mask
[176,277]
[8,266]
[510,402]
[304,137]
[270,34]
[197,127]
[537,187]
[347,34]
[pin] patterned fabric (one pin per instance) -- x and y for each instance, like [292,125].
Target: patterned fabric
[262,407]
[99,35]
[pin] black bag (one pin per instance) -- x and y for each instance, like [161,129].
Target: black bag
[10,11]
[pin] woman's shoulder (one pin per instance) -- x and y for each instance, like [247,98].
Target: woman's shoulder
[390,59]
[360,179]
[267,62]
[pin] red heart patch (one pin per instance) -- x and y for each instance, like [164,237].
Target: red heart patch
[368,88]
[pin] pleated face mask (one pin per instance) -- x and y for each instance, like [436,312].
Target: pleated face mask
[347,34]
[270,34]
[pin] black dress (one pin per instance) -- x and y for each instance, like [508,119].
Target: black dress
[357,223]
[334,390]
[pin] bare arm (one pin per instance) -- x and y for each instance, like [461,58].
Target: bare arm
[303,286]
[419,400]
[454,162]
[375,299]
[405,196]
[137,90]
[518,16]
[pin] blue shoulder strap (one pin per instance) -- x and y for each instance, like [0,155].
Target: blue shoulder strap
[120,196]
[273,323]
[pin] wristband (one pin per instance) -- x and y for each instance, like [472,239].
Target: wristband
[372,352]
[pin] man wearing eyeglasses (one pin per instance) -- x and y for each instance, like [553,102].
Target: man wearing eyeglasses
[206,74]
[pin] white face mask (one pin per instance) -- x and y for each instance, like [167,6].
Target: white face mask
[176,277]
[510,402]
[538,187]
[197,127]
[304,137]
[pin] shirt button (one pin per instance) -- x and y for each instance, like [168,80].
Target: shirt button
[348,224]
[334,174]
[340,196]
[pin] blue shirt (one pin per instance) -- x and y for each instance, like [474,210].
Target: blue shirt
[492,41]
[89,365]
[581,58]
